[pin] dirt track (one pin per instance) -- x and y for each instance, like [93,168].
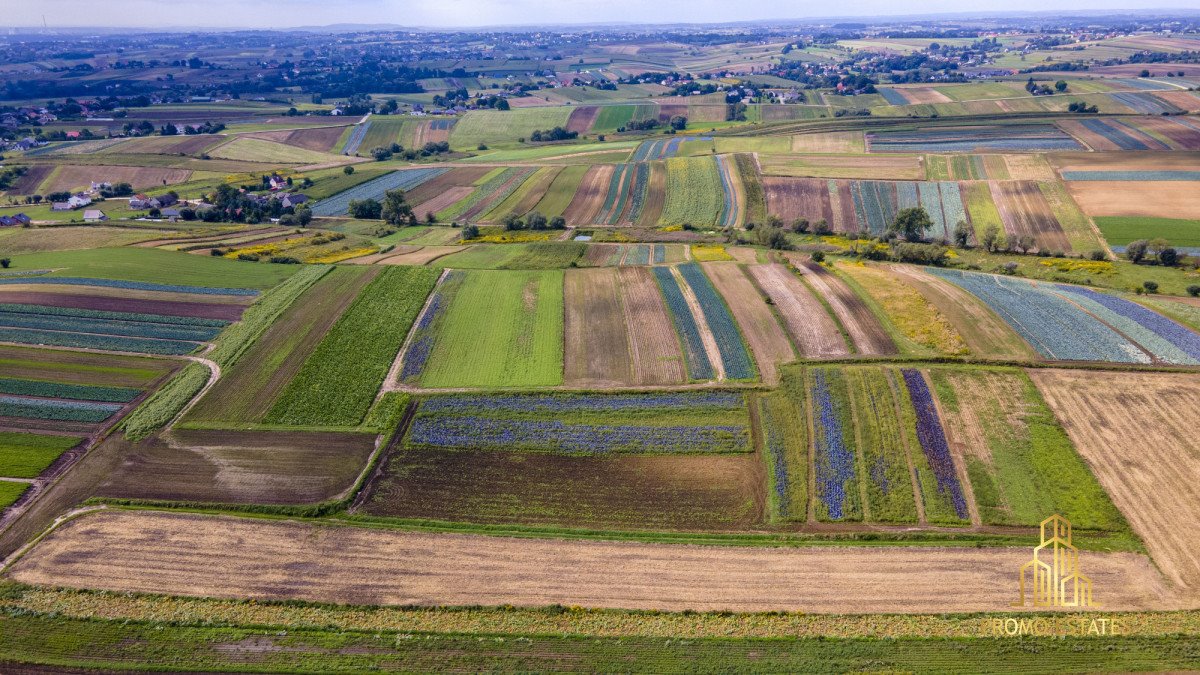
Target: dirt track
[233,557]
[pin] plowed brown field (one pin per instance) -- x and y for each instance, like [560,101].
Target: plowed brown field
[653,346]
[812,329]
[589,198]
[1025,211]
[766,337]
[182,554]
[860,323]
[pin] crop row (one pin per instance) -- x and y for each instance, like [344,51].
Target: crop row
[338,381]
[727,217]
[130,285]
[617,186]
[833,448]
[116,316]
[785,428]
[639,254]
[1131,175]
[481,193]
[660,253]
[78,392]
[693,193]
[933,442]
[94,341]
[63,411]
[1025,138]
[641,181]
[498,194]
[598,403]
[1056,328]
[887,477]
[73,324]
[555,436]
[734,355]
[356,138]
[1145,104]
[1167,339]
[405,179]
[699,367]
[1114,135]
[417,353]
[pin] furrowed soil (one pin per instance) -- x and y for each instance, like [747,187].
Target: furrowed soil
[864,328]
[765,337]
[1137,432]
[1149,199]
[120,304]
[681,492]
[654,349]
[792,198]
[1025,211]
[242,467]
[812,329]
[597,345]
[589,198]
[224,556]
[245,392]
[72,367]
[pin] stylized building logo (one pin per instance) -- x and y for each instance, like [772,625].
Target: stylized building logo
[1052,578]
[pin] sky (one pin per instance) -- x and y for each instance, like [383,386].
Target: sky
[470,13]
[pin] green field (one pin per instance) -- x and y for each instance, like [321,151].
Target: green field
[504,127]
[156,266]
[27,455]
[501,329]
[337,383]
[694,194]
[1120,230]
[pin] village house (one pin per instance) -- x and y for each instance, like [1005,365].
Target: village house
[94,216]
[19,220]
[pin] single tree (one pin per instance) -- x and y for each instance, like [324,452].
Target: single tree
[1136,250]
[962,234]
[990,236]
[396,211]
[800,225]
[349,170]
[912,223]
[366,209]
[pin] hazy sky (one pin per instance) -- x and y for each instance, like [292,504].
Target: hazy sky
[466,13]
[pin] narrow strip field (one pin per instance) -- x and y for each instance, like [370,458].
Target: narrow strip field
[197,555]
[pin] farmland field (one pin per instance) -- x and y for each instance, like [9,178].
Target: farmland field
[652,378]
[523,341]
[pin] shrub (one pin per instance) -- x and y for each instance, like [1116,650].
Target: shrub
[922,254]
[249,257]
[1150,286]
[349,170]
[1194,291]
[818,256]
[1168,257]
[1097,255]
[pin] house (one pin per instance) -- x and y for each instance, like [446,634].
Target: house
[94,216]
[73,135]
[78,201]
[170,214]
[19,220]
[162,200]
[96,187]
[139,202]
[60,206]
[293,199]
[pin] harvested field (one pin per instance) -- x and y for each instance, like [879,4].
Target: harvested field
[434,187]
[985,333]
[766,339]
[596,351]
[1184,100]
[225,556]
[70,177]
[1024,210]
[246,392]
[589,198]
[320,139]
[834,142]
[1137,431]
[655,199]
[654,350]
[1158,199]
[792,198]
[918,95]
[444,200]
[258,150]
[582,119]
[131,293]
[423,256]
[238,467]
[28,183]
[683,492]
[897,167]
[813,331]
[856,318]
[68,237]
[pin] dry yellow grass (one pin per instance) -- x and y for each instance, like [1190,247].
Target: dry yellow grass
[908,310]
[223,556]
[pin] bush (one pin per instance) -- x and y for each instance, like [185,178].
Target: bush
[1168,257]
[249,257]
[818,256]
[1194,291]
[349,170]
[284,260]
[1097,255]
[923,254]
[1150,286]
